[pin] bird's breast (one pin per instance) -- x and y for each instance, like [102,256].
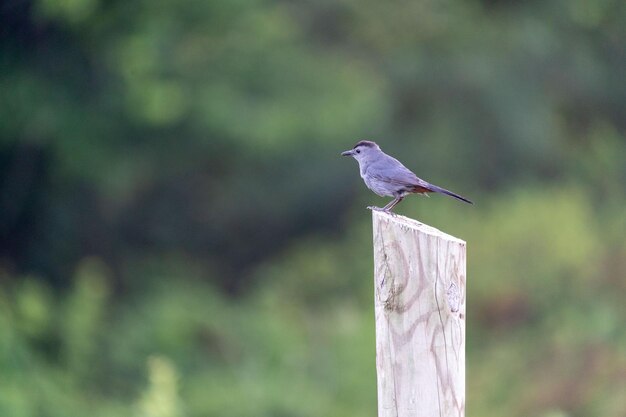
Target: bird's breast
[380,187]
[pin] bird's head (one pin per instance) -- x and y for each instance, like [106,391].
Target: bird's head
[363,150]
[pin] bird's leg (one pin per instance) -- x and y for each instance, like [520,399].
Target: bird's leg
[388,207]
[391,205]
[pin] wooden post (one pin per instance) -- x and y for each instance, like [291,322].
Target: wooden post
[420,319]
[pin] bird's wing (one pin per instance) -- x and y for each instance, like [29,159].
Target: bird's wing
[394,172]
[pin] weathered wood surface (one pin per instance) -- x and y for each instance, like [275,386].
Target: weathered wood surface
[420,319]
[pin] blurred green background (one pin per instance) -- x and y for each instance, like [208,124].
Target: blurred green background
[180,237]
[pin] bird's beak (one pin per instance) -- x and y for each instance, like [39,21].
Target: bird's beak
[348,153]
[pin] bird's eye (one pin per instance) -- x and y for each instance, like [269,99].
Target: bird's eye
[358,151]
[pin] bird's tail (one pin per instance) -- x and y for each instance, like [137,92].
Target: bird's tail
[436,189]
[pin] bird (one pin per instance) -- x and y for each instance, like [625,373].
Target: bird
[388,177]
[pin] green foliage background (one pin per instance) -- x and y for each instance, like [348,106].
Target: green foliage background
[179,236]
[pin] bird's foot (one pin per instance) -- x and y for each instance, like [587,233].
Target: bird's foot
[381,209]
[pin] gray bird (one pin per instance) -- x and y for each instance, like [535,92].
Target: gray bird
[387,177]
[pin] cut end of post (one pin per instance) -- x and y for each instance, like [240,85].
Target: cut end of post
[407,222]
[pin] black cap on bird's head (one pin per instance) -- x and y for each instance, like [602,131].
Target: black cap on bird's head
[366,143]
[359,147]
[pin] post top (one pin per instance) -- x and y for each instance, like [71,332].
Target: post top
[410,223]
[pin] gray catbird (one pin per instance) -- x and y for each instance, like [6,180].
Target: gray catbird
[387,177]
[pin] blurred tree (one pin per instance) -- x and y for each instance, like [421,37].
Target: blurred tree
[213,127]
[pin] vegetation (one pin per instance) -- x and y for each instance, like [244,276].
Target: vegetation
[179,236]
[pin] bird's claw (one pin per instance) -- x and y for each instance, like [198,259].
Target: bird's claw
[381,209]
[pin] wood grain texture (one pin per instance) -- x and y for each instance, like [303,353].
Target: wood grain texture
[420,319]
